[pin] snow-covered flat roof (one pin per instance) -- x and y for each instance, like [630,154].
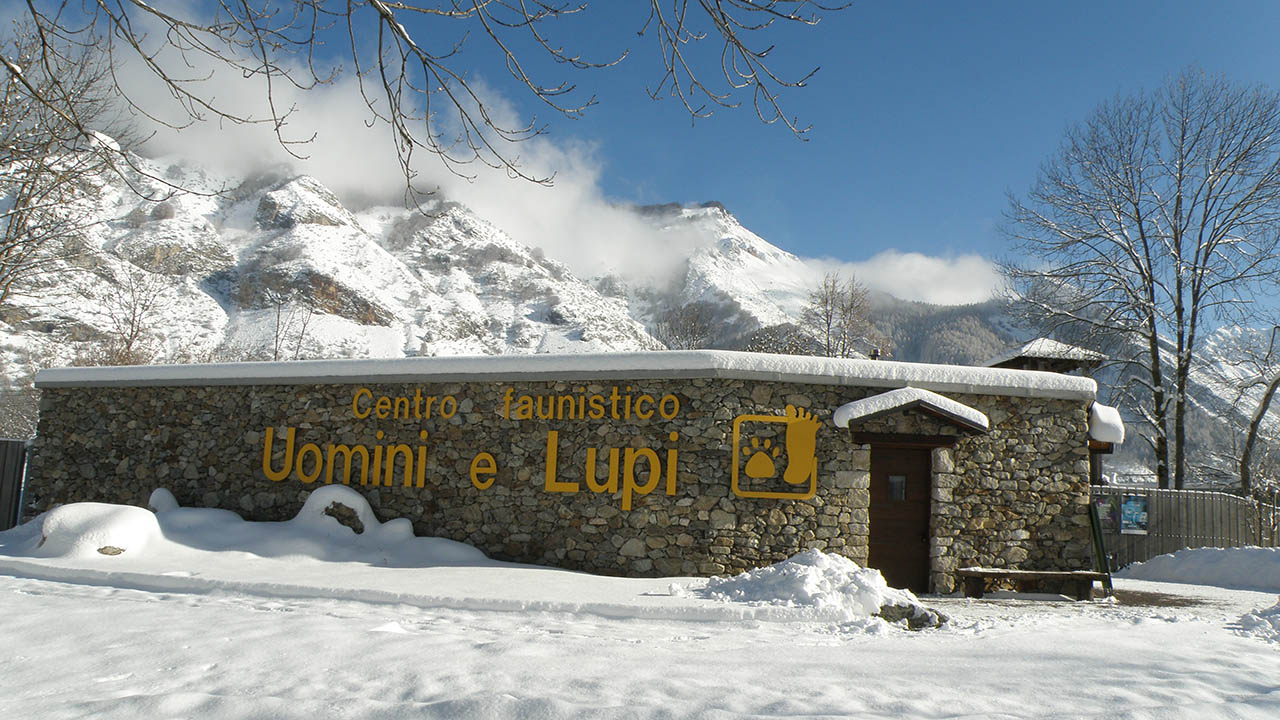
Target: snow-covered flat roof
[595,366]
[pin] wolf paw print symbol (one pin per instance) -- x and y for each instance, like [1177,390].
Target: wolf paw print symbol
[800,439]
[761,455]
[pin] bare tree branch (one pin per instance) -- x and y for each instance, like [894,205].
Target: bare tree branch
[414,75]
[1158,219]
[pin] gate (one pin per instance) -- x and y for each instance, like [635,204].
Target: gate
[13,465]
[1141,523]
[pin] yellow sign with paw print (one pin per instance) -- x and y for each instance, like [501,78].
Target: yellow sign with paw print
[768,466]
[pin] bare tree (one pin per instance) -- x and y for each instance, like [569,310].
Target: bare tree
[47,165]
[290,320]
[688,327]
[1250,371]
[837,316]
[132,306]
[414,75]
[784,339]
[1159,217]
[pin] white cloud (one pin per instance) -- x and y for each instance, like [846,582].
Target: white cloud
[571,219]
[958,280]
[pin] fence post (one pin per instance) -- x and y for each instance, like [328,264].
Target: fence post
[13,465]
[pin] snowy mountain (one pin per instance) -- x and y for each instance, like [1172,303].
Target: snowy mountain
[237,274]
[750,282]
[275,266]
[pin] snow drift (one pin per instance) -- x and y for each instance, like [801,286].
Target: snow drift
[83,530]
[335,524]
[1255,568]
[826,582]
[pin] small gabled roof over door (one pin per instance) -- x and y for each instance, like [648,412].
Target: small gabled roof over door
[967,419]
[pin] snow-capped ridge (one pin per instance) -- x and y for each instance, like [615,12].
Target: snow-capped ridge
[273,265]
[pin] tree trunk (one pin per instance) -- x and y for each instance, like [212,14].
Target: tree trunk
[1159,406]
[1246,455]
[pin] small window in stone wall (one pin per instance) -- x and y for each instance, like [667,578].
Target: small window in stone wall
[897,487]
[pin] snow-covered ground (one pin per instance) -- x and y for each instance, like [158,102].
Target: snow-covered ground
[197,613]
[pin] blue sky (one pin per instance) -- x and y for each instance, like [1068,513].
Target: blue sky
[925,114]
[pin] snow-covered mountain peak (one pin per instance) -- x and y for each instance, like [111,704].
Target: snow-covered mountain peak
[275,266]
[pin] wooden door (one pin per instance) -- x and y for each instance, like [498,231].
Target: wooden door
[900,492]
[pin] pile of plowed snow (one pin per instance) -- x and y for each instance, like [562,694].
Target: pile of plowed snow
[826,582]
[1264,624]
[1246,568]
[1251,568]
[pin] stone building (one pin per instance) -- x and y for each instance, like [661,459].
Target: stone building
[674,463]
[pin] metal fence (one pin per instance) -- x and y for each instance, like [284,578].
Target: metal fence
[13,465]
[1139,523]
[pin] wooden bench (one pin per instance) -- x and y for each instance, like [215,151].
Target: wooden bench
[1081,581]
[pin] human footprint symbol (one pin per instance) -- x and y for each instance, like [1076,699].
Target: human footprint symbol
[802,440]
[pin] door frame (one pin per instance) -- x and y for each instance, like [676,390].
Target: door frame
[926,444]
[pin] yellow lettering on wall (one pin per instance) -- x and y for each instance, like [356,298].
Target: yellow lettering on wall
[272,475]
[581,404]
[347,453]
[597,407]
[550,410]
[483,464]
[394,451]
[669,407]
[377,462]
[422,459]
[611,485]
[448,406]
[401,402]
[562,402]
[355,403]
[382,408]
[552,484]
[641,401]
[524,408]
[629,485]
[671,464]
[317,464]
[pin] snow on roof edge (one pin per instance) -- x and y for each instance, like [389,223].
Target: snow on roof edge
[894,400]
[1105,424]
[589,366]
[1048,349]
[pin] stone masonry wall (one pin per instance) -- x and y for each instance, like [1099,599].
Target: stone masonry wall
[1015,497]
[479,468]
